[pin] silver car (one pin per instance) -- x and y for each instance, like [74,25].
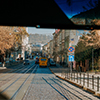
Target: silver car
[26,62]
[52,63]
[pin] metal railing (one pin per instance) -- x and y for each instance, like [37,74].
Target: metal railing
[84,79]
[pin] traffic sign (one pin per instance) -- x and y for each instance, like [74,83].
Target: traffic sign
[71,57]
[71,49]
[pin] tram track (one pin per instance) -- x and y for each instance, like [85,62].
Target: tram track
[14,95]
[5,89]
[12,71]
[10,67]
[15,71]
[9,77]
[29,68]
[13,68]
[43,85]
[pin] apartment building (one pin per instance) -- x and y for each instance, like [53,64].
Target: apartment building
[51,48]
[58,47]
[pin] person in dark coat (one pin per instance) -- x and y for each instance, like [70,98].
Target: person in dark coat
[2,59]
[80,68]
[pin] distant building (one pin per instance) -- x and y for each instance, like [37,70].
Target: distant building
[39,38]
[24,46]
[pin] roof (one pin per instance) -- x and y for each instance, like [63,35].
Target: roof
[45,13]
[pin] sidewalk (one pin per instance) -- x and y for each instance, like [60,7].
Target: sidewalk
[76,79]
[8,64]
[59,66]
[91,73]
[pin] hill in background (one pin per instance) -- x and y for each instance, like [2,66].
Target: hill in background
[39,38]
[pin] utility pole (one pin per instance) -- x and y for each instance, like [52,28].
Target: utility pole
[92,59]
[71,67]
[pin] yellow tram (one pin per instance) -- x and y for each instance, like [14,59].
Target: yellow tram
[43,62]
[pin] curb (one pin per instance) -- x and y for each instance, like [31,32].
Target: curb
[78,85]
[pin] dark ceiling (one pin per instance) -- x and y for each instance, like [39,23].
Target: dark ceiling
[45,13]
[32,12]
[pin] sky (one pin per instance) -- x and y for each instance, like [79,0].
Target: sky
[80,32]
[34,30]
[75,8]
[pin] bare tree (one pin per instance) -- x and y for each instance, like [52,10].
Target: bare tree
[11,37]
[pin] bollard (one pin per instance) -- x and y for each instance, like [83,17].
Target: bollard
[74,76]
[92,82]
[71,76]
[87,79]
[80,78]
[67,75]
[62,73]
[77,77]
[98,83]
[84,79]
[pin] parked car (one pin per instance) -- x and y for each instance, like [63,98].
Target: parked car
[35,57]
[52,63]
[26,62]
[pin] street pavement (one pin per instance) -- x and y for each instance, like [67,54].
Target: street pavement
[30,82]
[46,86]
[75,78]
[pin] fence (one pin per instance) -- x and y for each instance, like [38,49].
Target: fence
[84,79]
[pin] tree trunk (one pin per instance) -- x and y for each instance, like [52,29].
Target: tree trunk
[87,64]
[98,65]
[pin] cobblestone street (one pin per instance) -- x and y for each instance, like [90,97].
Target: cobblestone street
[46,86]
[31,82]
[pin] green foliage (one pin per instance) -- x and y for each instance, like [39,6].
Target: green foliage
[88,47]
[81,56]
[82,50]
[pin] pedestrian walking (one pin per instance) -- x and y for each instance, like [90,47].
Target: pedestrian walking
[80,68]
[2,60]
